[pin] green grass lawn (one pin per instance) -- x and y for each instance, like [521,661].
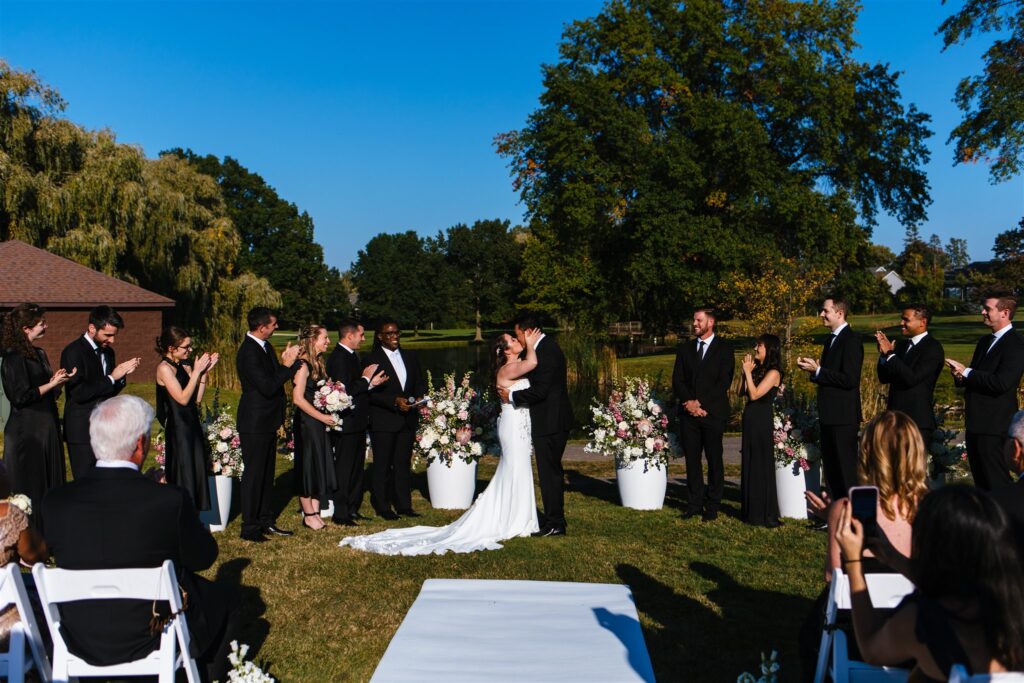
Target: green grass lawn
[710,596]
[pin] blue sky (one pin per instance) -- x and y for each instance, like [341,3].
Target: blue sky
[379,116]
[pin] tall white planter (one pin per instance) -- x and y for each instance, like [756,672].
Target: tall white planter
[790,486]
[639,489]
[221,488]
[451,488]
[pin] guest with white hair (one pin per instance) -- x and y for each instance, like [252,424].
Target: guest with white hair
[114,518]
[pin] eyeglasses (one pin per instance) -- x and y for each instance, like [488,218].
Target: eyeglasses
[186,348]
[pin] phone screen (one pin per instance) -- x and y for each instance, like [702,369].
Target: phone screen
[864,500]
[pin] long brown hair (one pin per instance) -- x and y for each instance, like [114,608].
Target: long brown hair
[11,334]
[498,359]
[893,458]
[307,337]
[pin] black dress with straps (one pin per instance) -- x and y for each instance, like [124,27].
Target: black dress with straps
[759,502]
[187,455]
[314,459]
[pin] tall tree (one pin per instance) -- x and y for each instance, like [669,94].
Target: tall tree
[278,242]
[486,260]
[956,252]
[992,127]
[922,265]
[1009,251]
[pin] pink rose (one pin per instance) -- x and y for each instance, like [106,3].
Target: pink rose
[225,433]
[463,415]
[664,421]
[659,444]
[644,427]
[622,433]
[236,442]
[656,409]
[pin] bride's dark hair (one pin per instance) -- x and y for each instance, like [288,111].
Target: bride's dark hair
[498,359]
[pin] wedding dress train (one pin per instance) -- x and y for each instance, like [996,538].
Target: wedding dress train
[505,509]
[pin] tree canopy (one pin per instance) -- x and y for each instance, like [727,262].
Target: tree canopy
[678,144]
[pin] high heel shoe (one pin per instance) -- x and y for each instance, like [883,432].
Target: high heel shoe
[315,513]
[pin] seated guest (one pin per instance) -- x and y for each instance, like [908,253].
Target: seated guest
[1011,498]
[969,599]
[18,542]
[114,518]
[893,458]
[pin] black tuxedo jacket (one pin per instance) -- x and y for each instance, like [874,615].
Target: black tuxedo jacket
[261,407]
[88,387]
[548,393]
[384,416]
[1011,498]
[990,399]
[344,366]
[707,380]
[118,519]
[838,379]
[911,377]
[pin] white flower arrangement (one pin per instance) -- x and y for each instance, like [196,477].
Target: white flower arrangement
[331,398]
[632,426]
[793,433]
[243,671]
[225,444]
[452,422]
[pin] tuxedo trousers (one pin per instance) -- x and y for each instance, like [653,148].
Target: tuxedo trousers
[391,482]
[82,458]
[349,461]
[548,449]
[697,435]
[839,457]
[258,456]
[988,460]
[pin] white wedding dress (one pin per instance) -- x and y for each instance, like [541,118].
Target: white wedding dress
[505,509]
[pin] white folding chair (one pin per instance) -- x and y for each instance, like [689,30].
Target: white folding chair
[886,591]
[958,674]
[57,586]
[13,663]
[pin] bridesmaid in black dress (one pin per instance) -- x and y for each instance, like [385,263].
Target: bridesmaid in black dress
[314,460]
[33,452]
[179,389]
[762,375]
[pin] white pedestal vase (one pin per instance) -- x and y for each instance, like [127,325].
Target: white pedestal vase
[789,487]
[451,488]
[639,489]
[221,487]
[327,512]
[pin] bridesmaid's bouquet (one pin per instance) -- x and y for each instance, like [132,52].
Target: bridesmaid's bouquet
[160,448]
[631,426]
[947,452]
[450,426]
[331,398]
[225,444]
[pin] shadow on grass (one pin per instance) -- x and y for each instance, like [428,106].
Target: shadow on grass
[284,491]
[254,628]
[676,494]
[685,635]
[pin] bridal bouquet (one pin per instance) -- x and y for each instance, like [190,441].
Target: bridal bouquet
[225,444]
[331,398]
[794,433]
[448,427]
[947,453]
[632,426]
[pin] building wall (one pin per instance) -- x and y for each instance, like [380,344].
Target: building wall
[137,338]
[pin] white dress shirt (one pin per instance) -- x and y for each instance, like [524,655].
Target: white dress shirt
[914,341]
[103,357]
[398,364]
[117,465]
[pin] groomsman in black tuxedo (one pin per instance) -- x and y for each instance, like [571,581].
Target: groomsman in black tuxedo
[260,413]
[393,422]
[910,367]
[700,380]
[837,375]
[1011,498]
[343,365]
[115,518]
[550,420]
[98,378]
[990,396]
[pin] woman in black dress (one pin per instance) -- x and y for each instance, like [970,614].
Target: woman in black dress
[33,451]
[762,375]
[314,461]
[179,389]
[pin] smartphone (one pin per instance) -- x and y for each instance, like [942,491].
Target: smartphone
[864,501]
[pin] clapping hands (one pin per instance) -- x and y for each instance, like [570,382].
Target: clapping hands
[62,376]
[885,345]
[808,364]
[748,364]
[125,368]
[374,379]
[290,354]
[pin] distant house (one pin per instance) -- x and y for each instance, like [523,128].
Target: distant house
[956,283]
[891,278]
[68,290]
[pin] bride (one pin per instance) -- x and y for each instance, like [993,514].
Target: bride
[507,506]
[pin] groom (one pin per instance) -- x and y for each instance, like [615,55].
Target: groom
[550,417]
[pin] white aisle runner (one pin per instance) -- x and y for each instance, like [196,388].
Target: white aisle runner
[472,631]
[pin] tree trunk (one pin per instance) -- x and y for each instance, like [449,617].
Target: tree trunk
[479,333]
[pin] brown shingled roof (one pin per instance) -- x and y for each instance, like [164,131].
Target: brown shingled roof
[31,274]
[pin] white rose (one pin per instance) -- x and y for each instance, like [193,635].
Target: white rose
[649,444]
[637,414]
[433,454]
[222,447]
[599,434]
[444,440]
[475,448]
[622,425]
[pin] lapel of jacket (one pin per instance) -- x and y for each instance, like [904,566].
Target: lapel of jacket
[385,363]
[95,364]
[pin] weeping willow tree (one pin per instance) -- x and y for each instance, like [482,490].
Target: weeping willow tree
[157,223]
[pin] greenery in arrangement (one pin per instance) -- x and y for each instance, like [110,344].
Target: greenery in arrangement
[795,434]
[456,422]
[631,426]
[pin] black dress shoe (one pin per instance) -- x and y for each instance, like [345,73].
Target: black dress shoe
[690,514]
[544,531]
[277,531]
[555,531]
[390,516]
[357,516]
[344,521]
[409,513]
[818,525]
[709,516]
[254,537]
[774,524]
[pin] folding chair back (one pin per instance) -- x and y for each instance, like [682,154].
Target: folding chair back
[13,663]
[57,586]
[958,674]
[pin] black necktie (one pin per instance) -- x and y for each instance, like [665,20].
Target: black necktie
[700,349]
[99,354]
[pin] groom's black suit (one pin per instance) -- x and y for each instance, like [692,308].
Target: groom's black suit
[911,372]
[343,365]
[550,422]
